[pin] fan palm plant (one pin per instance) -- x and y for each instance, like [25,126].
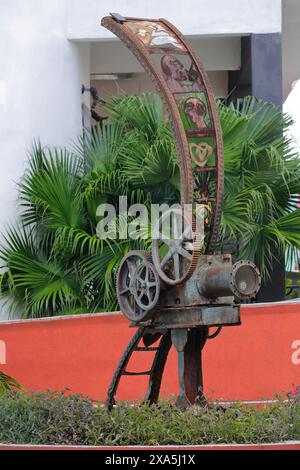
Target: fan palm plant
[262,182]
[54,263]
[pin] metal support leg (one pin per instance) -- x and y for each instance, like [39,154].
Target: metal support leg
[189,345]
[158,368]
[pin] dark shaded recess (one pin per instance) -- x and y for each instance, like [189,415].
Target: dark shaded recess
[261,76]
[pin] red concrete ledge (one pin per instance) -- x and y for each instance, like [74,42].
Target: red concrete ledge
[250,362]
[290,445]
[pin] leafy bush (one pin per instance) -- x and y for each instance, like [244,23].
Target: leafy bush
[54,263]
[57,418]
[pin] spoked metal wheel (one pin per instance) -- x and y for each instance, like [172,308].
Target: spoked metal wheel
[175,247]
[138,286]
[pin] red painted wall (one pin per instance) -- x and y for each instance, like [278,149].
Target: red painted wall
[248,362]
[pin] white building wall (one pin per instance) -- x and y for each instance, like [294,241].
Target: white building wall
[216,53]
[290,44]
[40,97]
[195,17]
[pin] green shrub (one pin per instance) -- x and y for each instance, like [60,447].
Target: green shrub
[58,418]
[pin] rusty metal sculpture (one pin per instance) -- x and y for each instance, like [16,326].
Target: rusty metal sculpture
[175,297]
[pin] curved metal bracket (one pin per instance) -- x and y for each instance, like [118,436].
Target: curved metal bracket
[215,334]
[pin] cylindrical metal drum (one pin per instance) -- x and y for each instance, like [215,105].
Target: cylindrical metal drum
[241,280]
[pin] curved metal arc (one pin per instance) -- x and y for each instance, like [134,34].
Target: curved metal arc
[145,59]
[218,134]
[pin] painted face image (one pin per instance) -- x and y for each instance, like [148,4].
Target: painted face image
[195,110]
[173,68]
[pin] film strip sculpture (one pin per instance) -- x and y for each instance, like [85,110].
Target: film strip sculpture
[182,289]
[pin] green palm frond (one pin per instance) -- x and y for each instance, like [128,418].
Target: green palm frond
[8,384]
[149,165]
[143,113]
[50,192]
[100,149]
[45,285]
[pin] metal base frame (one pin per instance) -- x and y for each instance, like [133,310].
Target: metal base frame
[188,343]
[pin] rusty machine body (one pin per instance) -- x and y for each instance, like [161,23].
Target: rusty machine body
[183,288]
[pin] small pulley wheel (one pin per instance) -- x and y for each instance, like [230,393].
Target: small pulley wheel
[145,286]
[138,286]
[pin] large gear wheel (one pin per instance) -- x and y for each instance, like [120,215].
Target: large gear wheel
[138,286]
[175,246]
